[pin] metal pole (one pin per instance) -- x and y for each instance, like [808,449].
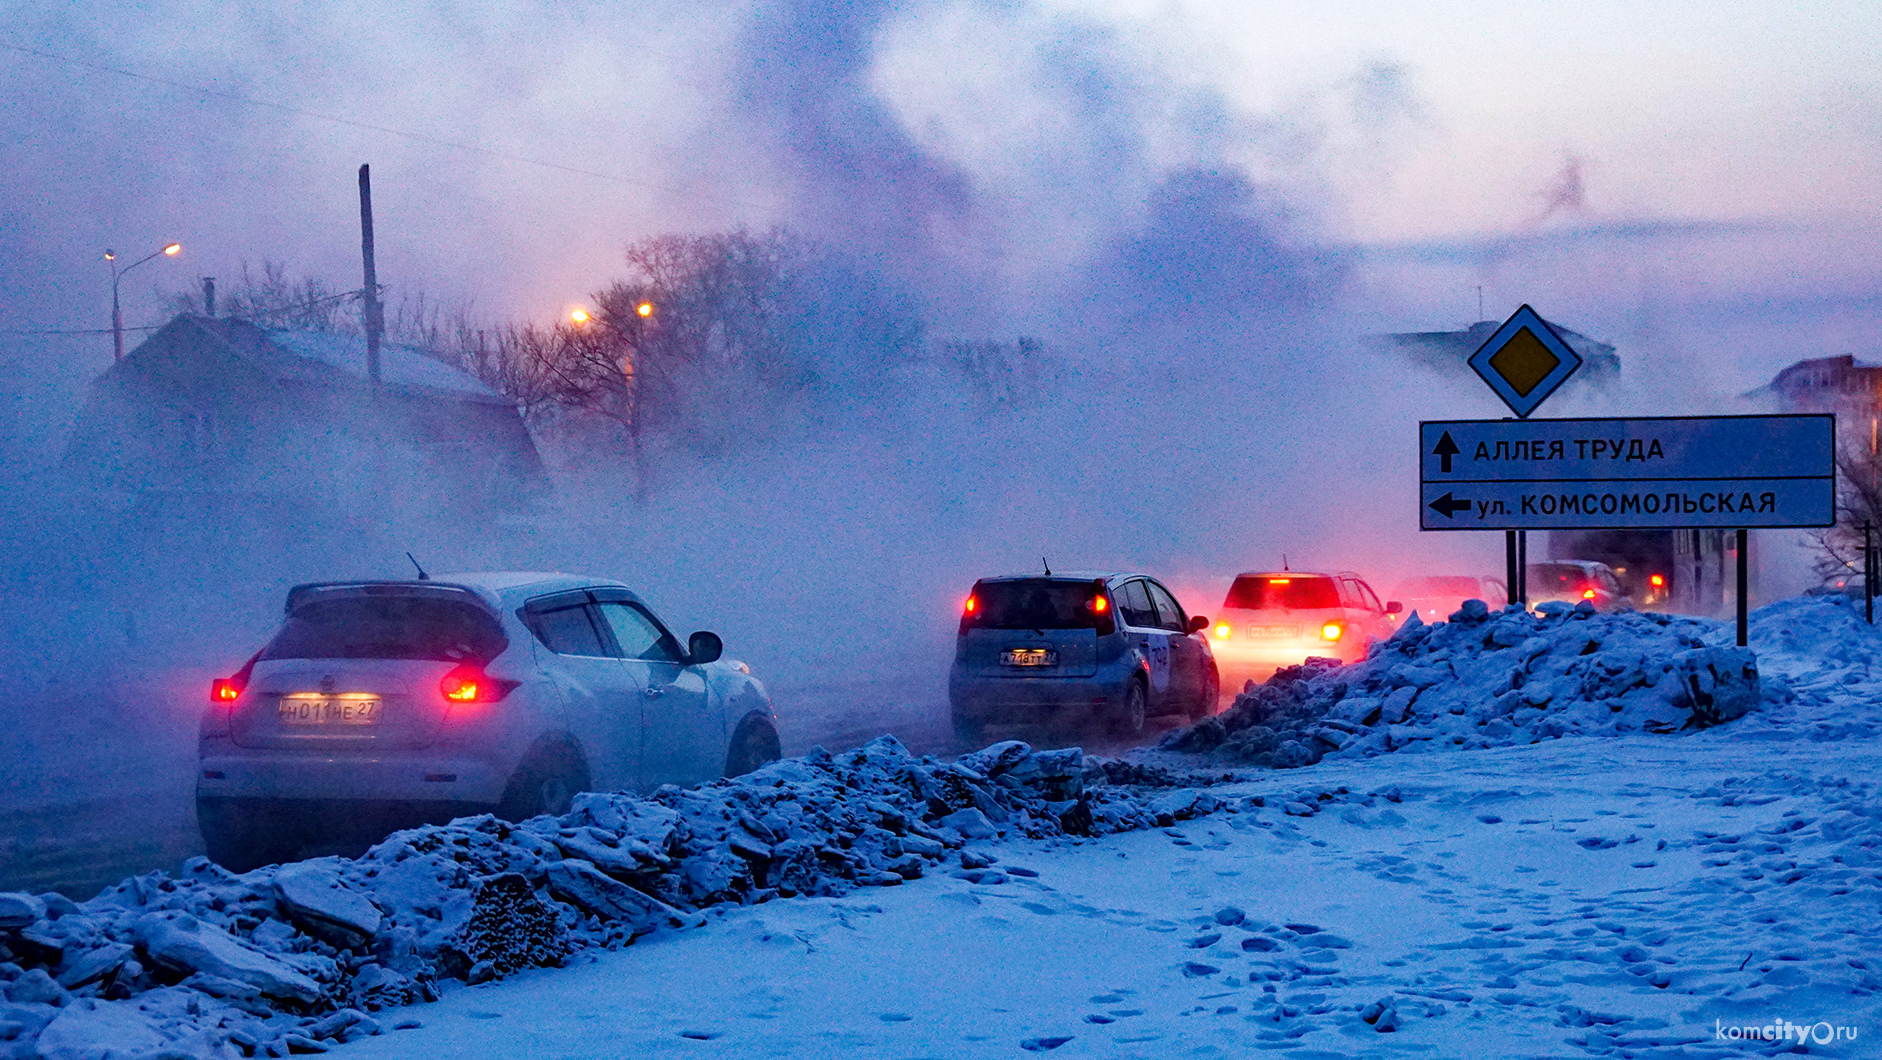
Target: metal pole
[1744,620]
[1522,567]
[375,318]
[1868,577]
[1510,584]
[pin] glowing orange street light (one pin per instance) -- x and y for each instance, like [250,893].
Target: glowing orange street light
[578,316]
[117,318]
[645,309]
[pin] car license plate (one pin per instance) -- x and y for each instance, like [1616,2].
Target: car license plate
[330,710]
[1274,631]
[1030,657]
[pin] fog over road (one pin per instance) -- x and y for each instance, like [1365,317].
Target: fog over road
[102,784]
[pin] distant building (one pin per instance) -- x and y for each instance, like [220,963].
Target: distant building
[1449,351]
[222,412]
[1826,384]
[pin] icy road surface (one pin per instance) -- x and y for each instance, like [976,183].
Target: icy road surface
[1570,898]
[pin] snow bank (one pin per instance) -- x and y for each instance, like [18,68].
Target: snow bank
[1827,664]
[1490,678]
[289,958]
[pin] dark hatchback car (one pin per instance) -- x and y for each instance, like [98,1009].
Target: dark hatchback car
[1083,650]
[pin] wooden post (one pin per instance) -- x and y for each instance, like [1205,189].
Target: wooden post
[375,313]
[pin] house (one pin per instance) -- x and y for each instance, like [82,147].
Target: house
[220,412]
[1449,351]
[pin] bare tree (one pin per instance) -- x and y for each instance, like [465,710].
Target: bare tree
[271,299]
[1858,504]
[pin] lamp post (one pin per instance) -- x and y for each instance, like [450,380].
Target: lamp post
[117,318]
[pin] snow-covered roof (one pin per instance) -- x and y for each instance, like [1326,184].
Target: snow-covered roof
[402,366]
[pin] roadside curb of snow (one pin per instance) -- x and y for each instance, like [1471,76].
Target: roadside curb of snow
[294,958]
[1490,679]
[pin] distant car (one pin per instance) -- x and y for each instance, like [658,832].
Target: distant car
[1436,596]
[1272,619]
[410,701]
[1080,650]
[1574,580]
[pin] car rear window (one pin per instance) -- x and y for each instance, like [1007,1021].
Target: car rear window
[1282,592]
[386,626]
[1438,585]
[1559,577]
[1035,603]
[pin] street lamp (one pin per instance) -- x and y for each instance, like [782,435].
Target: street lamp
[117,318]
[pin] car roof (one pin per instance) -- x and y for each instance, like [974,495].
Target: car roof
[1068,576]
[1297,574]
[497,589]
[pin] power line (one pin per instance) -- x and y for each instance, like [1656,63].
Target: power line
[72,331]
[274,311]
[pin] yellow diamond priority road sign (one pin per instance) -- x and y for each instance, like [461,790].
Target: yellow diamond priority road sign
[1524,361]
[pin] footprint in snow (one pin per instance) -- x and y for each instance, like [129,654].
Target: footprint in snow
[894,1017]
[1040,1045]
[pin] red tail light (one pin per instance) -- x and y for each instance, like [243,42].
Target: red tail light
[1658,580]
[467,683]
[1099,605]
[229,689]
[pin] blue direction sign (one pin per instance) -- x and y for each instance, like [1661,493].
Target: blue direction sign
[1643,473]
[1524,361]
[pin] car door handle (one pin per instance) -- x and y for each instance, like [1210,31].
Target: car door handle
[653,693]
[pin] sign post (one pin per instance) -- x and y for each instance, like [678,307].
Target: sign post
[1665,472]
[1524,361]
[1656,472]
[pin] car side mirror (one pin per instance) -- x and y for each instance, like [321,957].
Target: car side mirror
[1198,623]
[703,647]
[1393,607]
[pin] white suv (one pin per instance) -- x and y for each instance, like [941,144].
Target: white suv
[383,704]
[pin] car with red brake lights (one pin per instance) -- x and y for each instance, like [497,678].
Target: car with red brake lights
[1272,619]
[1436,596]
[1077,650]
[383,704]
[1574,581]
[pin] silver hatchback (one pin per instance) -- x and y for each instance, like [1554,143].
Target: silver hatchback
[383,704]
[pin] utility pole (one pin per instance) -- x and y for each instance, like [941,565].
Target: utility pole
[375,313]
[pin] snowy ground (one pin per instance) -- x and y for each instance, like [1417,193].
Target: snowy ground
[1564,899]
[1646,895]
